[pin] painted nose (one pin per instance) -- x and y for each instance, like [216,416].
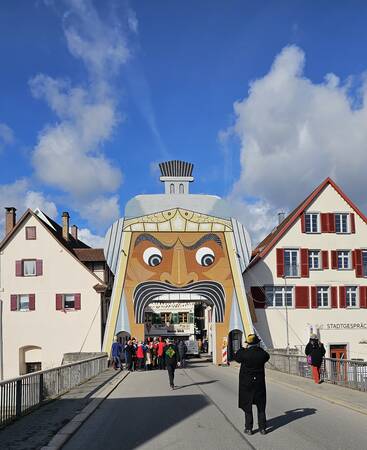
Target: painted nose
[179,275]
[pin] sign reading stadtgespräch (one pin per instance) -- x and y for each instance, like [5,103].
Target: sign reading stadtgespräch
[344,326]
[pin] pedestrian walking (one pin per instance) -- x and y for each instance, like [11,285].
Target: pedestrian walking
[115,353]
[182,350]
[315,352]
[129,355]
[170,355]
[252,388]
[160,353]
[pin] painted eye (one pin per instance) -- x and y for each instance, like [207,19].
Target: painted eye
[205,256]
[152,256]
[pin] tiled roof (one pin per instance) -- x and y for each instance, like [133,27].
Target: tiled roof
[90,254]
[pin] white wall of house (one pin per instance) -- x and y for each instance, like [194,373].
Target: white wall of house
[346,326]
[46,333]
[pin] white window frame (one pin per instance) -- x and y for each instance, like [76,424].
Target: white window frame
[270,292]
[364,267]
[295,270]
[24,261]
[346,297]
[64,296]
[313,258]
[343,258]
[312,231]
[322,290]
[347,222]
[19,302]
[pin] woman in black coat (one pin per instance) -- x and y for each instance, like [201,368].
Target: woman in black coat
[315,350]
[252,389]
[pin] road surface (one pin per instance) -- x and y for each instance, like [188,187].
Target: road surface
[202,413]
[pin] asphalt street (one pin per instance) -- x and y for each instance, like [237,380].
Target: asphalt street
[202,413]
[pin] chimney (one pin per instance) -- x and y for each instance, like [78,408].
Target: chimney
[74,232]
[281,216]
[10,219]
[65,225]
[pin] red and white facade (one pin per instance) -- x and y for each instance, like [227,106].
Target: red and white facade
[310,275]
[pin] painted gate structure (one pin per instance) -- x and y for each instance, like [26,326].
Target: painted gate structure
[177,247]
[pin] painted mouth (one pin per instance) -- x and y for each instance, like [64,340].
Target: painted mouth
[209,292]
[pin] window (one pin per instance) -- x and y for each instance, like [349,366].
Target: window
[291,263]
[364,262]
[341,223]
[343,259]
[165,317]
[181,188]
[183,317]
[323,297]
[23,302]
[33,366]
[314,259]
[69,301]
[351,296]
[29,267]
[171,188]
[279,296]
[30,233]
[312,223]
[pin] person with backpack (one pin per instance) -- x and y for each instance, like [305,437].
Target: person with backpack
[315,352]
[182,350]
[170,356]
[252,388]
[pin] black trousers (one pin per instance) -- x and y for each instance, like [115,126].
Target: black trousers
[171,374]
[261,417]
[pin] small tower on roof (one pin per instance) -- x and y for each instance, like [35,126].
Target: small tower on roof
[176,176]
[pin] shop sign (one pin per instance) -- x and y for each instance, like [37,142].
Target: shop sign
[344,326]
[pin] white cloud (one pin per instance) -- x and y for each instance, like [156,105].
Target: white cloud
[20,195]
[294,133]
[101,211]
[70,153]
[6,135]
[93,240]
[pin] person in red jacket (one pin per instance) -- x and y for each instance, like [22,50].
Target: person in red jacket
[160,354]
[140,356]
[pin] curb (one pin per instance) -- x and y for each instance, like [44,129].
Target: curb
[66,432]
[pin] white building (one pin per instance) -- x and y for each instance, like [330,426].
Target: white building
[52,293]
[310,275]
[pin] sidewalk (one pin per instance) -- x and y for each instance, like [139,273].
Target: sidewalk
[349,398]
[37,428]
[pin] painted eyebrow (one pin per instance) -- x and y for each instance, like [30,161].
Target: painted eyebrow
[206,238]
[153,240]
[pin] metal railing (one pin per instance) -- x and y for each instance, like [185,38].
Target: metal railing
[347,373]
[20,395]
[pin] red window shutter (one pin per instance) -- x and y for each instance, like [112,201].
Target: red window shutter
[363,297]
[280,262]
[325,259]
[304,263]
[324,223]
[32,302]
[18,268]
[334,259]
[358,263]
[331,220]
[39,267]
[13,303]
[302,297]
[258,296]
[303,223]
[352,223]
[58,302]
[77,301]
[334,297]
[342,297]
[313,297]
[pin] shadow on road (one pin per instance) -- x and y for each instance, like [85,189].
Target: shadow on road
[137,420]
[199,383]
[289,416]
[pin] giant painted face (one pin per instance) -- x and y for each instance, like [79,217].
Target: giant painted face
[188,266]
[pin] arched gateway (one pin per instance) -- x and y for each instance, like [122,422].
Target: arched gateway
[177,249]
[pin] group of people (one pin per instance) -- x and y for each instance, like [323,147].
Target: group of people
[252,388]
[154,353]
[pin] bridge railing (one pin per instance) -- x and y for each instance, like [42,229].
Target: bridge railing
[20,395]
[347,373]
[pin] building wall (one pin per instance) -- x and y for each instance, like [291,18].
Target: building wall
[48,333]
[272,322]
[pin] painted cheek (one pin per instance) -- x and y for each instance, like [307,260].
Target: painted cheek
[219,271]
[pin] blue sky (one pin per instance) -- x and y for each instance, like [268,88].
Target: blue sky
[94,94]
